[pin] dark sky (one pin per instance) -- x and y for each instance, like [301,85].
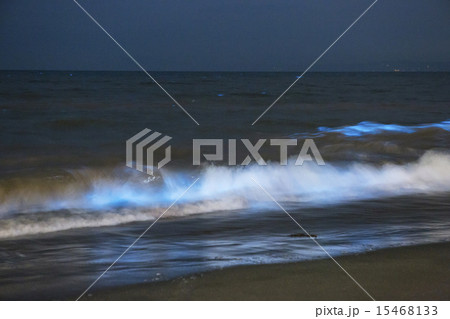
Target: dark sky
[225,35]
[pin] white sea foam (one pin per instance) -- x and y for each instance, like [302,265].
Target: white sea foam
[110,200]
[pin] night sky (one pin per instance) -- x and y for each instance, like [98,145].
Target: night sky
[233,35]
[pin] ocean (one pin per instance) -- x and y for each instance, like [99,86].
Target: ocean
[69,205]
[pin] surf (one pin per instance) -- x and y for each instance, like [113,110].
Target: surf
[91,198]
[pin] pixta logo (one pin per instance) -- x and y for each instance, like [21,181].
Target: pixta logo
[308,151]
[144,146]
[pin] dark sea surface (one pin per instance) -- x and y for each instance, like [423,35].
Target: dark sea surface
[69,206]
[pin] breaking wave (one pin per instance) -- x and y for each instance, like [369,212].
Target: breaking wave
[94,198]
[370,128]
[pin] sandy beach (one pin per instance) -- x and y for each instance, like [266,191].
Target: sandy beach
[405,273]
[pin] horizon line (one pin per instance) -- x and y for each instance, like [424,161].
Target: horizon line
[223,71]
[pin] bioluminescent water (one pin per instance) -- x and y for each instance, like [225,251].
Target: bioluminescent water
[69,206]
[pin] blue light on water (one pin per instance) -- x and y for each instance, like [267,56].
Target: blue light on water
[370,128]
[220,94]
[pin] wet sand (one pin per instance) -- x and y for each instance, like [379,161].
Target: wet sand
[405,273]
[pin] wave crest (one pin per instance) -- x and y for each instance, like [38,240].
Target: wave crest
[89,198]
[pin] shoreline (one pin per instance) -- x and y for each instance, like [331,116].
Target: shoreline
[403,273]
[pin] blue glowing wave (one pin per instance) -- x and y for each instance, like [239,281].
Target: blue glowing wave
[110,201]
[371,128]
